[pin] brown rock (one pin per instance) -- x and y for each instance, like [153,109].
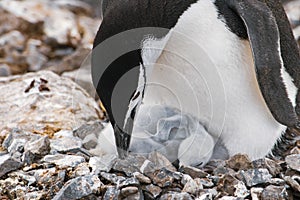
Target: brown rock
[239,162]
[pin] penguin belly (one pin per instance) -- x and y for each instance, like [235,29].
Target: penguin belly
[206,71]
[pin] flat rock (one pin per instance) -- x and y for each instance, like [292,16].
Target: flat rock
[273,167]
[176,195]
[34,97]
[142,178]
[65,144]
[228,184]
[193,186]
[293,161]
[131,164]
[64,161]
[274,192]
[256,193]
[160,161]
[34,150]
[152,191]
[194,172]
[112,193]
[81,170]
[8,164]
[128,191]
[254,177]
[79,187]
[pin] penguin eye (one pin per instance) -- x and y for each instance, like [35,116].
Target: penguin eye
[136,96]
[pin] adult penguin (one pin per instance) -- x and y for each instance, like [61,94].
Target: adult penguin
[237,57]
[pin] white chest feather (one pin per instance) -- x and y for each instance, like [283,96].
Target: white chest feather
[208,72]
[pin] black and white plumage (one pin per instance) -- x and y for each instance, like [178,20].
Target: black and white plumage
[231,64]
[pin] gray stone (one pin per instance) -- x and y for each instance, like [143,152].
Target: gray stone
[129,182]
[64,161]
[142,178]
[52,179]
[293,161]
[254,177]
[39,195]
[65,144]
[176,195]
[44,95]
[256,193]
[112,193]
[277,181]
[152,190]
[5,70]
[239,162]
[206,196]
[81,170]
[162,177]
[160,161]
[88,129]
[193,186]
[230,198]
[241,190]
[128,191]
[34,150]
[103,163]
[207,183]
[23,176]
[113,178]
[274,192]
[293,182]
[8,164]
[273,167]
[131,164]
[34,58]
[79,187]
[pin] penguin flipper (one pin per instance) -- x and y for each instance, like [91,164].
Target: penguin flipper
[289,49]
[264,39]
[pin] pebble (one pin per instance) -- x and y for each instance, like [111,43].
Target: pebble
[152,190]
[194,172]
[274,192]
[176,195]
[112,193]
[193,186]
[239,162]
[8,164]
[79,187]
[254,177]
[64,161]
[293,162]
[142,178]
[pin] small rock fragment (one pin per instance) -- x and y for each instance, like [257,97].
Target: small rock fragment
[65,144]
[254,177]
[162,178]
[153,191]
[64,161]
[8,164]
[127,191]
[161,161]
[274,192]
[112,193]
[130,164]
[239,162]
[176,195]
[241,190]
[193,186]
[273,167]
[81,170]
[34,150]
[79,187]
[293,161]
[256,193]
[142,178]
[194,172]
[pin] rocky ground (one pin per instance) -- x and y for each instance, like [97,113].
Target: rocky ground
[50,122]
